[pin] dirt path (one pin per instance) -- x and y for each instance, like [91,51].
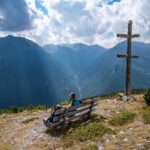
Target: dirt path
[15,134]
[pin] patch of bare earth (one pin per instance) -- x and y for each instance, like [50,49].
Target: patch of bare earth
[14,134]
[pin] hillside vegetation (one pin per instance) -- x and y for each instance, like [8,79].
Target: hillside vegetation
[113,125]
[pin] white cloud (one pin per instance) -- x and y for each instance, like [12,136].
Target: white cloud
[87,21]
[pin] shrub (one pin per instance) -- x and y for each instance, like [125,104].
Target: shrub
[147,97]
[86,131]
[40,107]
[138,91]
[37,107]
[13,109]
[146,115]
[30,107]
[122,118]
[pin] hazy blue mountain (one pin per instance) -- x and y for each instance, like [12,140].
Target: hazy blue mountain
[75,59]
[76,56]
[96,70]
[107,74]
[28,75]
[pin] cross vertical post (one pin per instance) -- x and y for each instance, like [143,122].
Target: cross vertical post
[128,66]
[128,56]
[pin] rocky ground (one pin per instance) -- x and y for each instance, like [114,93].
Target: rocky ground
[26,130]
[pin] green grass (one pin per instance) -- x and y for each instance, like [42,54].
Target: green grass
[30,120]
[147,97]
[37,107]
[146,115]
[122,118]
[18,109]
[138,91]
[85,131]
[12,109]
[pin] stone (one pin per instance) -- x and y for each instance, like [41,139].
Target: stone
[99,145]
[121,132]
[113,136]
[125,140]
[125,98]
[107,140]
[121,94]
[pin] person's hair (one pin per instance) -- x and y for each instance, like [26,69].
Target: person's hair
[72,95]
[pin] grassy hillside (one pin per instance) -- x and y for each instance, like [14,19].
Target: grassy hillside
[113,125]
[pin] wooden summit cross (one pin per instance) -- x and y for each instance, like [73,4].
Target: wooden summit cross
[128,56]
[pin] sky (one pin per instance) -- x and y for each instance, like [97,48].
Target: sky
[74,21]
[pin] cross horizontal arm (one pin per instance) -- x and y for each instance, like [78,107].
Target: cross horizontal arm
[135,35]
[136,57]
[122,35]
[121,56]
[125,56]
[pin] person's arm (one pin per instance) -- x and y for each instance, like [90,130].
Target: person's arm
[67,106]
[86,101]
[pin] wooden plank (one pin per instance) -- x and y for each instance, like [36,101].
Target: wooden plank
[78,110]
[80,114]
[58,118]
[122,35]
[83,112]
[125,56]
[121,56]
[87,106]
[135,35]
[72,113]
[50,125]
[81,105]
[136,57]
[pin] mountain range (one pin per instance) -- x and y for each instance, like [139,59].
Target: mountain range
[31,74]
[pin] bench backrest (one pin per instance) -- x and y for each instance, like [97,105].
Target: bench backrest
[74,112]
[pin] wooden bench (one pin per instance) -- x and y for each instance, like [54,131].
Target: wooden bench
[64,116]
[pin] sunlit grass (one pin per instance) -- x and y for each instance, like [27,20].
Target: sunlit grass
[122,118]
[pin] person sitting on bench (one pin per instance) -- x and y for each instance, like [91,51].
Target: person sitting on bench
[76,102]
[73,100]
[57,107]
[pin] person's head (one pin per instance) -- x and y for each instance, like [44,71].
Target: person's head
[58,106]
[72,96]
